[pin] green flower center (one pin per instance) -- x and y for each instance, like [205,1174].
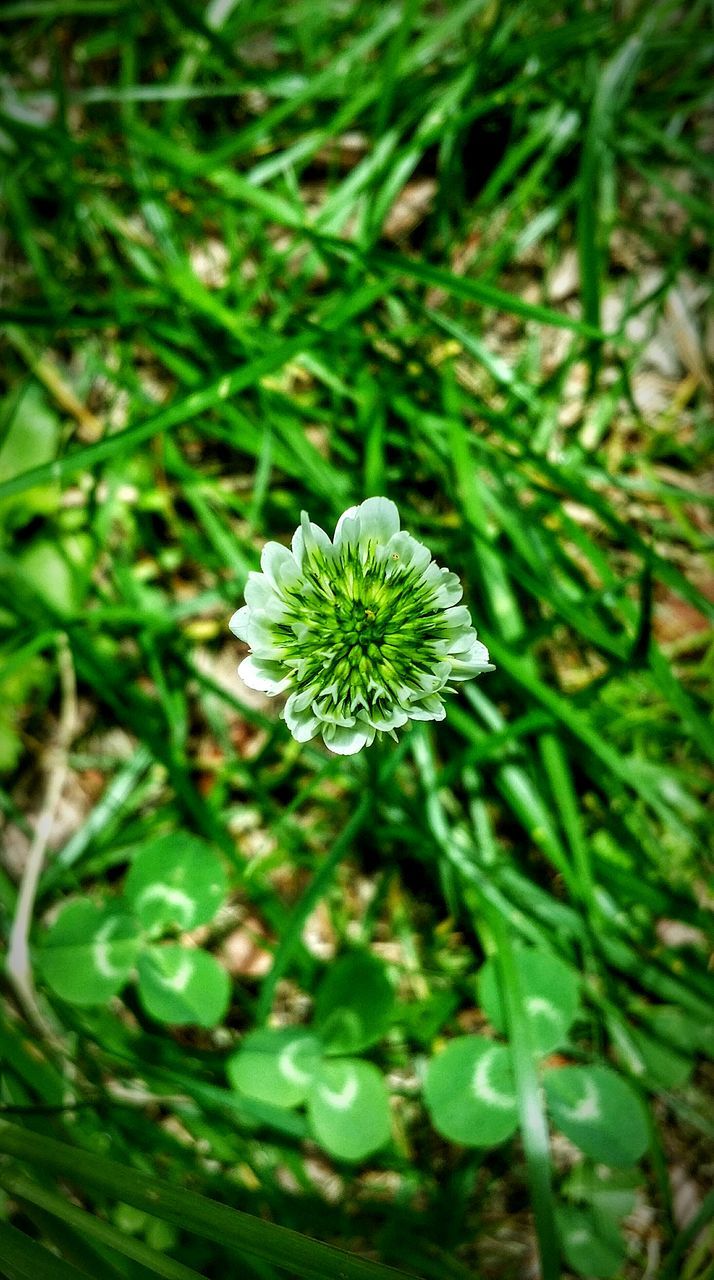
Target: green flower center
[358,624]
[360,628]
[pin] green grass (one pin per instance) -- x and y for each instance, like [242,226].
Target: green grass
[260,258]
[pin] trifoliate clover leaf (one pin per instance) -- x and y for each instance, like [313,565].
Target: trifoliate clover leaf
[354,1004]
[364,632]
[348,1108]
[599,1111]
[470,1093]
[276,1065]
[175,879]
[183,987]
[89,952]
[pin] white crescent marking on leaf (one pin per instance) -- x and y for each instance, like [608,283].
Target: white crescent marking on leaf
[288,1066]
[588,1108]
[181,978]
[539,1005]
[482,1087]
[175,898]
[579,1236]
[341,1099]
[100,951]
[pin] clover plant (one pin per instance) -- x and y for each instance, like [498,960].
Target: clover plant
[175,883]
[598,1199]
[345,1098]
[471,1097]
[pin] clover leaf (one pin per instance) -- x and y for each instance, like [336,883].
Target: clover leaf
[346,1099]
[92,950]
[551,997]
[276,1065]
[175,880]
[348,1107]
[182,986]
[599,1111]
[354,1004]
[89,952]
[470,1094]
[469,1089]
[592,1244]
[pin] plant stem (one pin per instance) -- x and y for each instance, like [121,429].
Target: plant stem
[293,930]
[19,964]
[533,1123]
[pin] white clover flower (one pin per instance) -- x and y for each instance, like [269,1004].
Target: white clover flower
[364,632]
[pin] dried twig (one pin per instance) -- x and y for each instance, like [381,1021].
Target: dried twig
[19,965]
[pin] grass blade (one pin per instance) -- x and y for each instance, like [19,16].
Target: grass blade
[95,1228]
[284,1248]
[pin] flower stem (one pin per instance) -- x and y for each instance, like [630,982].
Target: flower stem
[296,922]
[533,1123]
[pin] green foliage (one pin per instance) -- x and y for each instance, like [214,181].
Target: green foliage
[31,440]
[346,1099]
[681,1031]
[91,951]
[18,684]
[590,1225]
[610,1192]
[599,1111]
[58,571]
[243,1234]
[348,1106]
[470,1092]
[276,1064]
[592,1244]
[176,880]
[470,1089]
[183,987]
[354,1005]
[550,995]
[265,258]
[665,1066]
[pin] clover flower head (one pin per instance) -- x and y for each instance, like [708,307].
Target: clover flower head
[363,632]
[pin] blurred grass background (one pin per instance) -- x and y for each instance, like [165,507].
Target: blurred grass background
[260,258]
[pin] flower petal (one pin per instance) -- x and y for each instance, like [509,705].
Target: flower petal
[347,534]
[346,518]
[448,591]
[472,663]
[260,634]
[308,539]
[272,608]
[302,724]
[328,713]
[347,741]
[431,708]
[393,717]
[460,643]
[406,553]
[457,617]
[259,590]
[278,564]
[431,681]
[301,700]
[239,623]
[266,677]
[305,730]
[378,519]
